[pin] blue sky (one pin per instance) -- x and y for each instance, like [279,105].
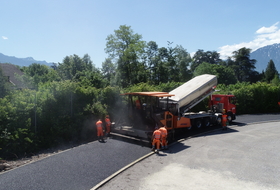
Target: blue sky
[53,29]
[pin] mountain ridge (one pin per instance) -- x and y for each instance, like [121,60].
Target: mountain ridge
[21,61]
[264,54]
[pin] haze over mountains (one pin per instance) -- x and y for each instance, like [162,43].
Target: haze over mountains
[262,55]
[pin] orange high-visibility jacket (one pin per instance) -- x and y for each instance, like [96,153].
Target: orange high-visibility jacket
[108,122]
[224,120]
[163,131]
[138,105]
[157,134]
[99,124]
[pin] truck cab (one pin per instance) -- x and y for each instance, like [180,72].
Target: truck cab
[218,102]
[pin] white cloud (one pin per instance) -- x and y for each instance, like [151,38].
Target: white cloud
[4,37]
[271,29]
[265,36]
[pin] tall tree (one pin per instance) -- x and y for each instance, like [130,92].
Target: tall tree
[161,68]
[200,56]
[72,66]
[171,64]
[158,63]
[152,57]
[108,70]
[243,66]
[183,60]
[270,71]
[88,64]
[126,48]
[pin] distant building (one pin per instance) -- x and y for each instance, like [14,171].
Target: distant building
[9,72]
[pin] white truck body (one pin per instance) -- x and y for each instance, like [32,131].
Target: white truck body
[192,91]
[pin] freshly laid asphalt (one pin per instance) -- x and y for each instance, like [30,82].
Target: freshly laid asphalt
[78,168]
[244,157]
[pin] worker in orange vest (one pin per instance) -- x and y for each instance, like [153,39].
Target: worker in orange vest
[138,104]
[108,125]
[224,120]
[99,129]
[163,131]
[156,139]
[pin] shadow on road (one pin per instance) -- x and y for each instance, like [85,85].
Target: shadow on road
[239,124]
[177,148]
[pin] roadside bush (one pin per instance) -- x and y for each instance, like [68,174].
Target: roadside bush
[16,133]
[253,98]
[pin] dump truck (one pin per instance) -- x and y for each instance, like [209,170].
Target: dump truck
[146,110]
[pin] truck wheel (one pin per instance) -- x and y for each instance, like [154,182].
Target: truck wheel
[197,123]
[229,118]
[219,120]
[206,122]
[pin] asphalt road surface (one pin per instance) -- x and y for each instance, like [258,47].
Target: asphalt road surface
[78,168]
[85,166]
[243,157]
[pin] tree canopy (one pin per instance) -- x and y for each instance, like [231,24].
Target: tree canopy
[270,71]
[242,65]
[126,48]
[200,56]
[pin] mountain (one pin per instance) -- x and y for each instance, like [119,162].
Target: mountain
[21,61]
[264,55]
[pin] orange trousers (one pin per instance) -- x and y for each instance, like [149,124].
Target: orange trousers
[163,141]
[224,120]
[157,143]
[108,129]
[99,131]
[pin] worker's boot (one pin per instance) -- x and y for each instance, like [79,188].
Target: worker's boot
[153,148]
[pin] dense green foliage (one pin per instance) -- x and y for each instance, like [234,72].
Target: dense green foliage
[61,103]
[3,85]
[254,98]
